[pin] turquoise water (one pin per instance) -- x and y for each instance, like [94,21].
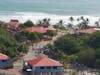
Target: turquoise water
[56,10]
[60,7]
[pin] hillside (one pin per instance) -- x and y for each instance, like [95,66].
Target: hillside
[77,50]
[9,45]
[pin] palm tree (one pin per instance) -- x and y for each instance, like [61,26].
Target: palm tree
[46,22]
[83,25]
[87,20]
[97,23]
[78,19]
[61,22]
[71,19]
[69,25]
[82,18]
[39,23]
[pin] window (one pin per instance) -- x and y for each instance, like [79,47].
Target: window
[41,67]
[48,67]
[4,60]
[55,67]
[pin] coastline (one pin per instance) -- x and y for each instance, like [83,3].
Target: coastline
[36,16]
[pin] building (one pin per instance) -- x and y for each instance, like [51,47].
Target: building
[44,66]
[39,29]
[5,61]
[14,23]
[42,30]
[88,31]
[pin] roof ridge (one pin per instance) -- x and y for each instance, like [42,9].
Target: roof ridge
[40,58]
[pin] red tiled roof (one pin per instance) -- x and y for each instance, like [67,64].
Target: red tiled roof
[3,57]
[94,26]
[44,61]
[39,29]
[89,30]
[36,29]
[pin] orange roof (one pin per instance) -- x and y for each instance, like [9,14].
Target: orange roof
[89,30]
[36,29]
[44,61]
[39,29]
[3,57]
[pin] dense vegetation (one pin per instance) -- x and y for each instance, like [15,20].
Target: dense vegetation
[13,42]
[33,36]
[80,49]
[51,33]
[25,35]
[9,46]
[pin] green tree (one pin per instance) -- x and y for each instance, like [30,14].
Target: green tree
[21,26]
[83,25]
[94,40]
[51,33]
[39,23]
[40,35]
[83,49]
[68,45]
[69,25]
[33,37]
[97,63]
[97,23]
[71,19]
[87,57]
[46,22]
[23,48]
[24,33]
[8,44]
[22,36]
[28,23]
[82,18]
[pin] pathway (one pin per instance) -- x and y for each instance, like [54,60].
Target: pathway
[18,65]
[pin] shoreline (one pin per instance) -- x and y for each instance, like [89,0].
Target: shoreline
[36,16]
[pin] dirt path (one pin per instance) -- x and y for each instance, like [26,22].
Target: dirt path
[31,54]
[18,65]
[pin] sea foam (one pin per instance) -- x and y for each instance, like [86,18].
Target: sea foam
[35,17]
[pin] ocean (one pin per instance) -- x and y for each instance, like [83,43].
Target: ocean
[54,9]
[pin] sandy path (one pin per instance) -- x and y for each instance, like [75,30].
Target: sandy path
[18,65]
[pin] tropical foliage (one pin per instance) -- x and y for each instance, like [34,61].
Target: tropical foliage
[81,49]
[51,33]
[9,45]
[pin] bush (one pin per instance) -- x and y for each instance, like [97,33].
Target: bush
[9,45]
[28,23]
[33,37]
[82,49]
[51,33]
